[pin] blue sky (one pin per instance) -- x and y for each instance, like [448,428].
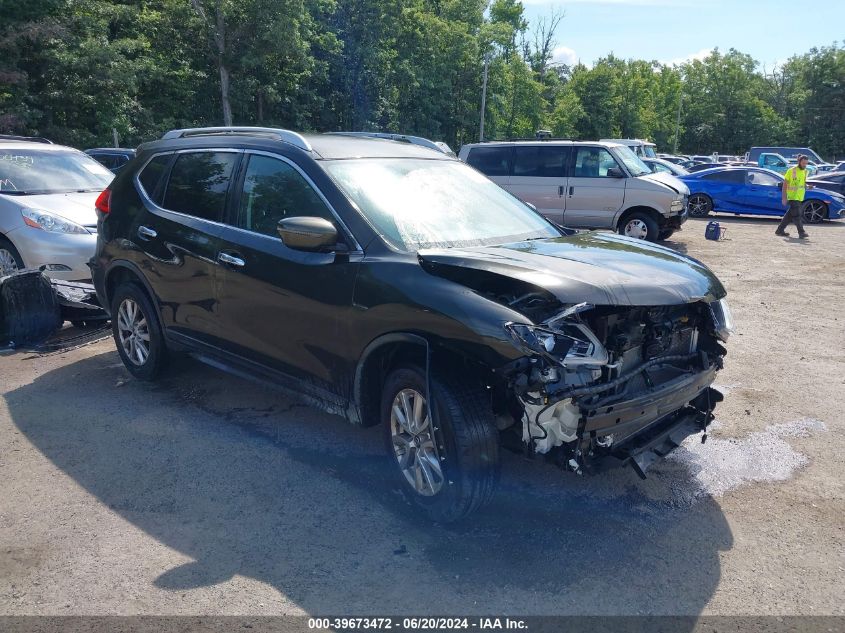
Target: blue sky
[676,30]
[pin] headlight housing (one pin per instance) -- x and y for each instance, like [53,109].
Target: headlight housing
[572,345]
[47,221]
[723,321]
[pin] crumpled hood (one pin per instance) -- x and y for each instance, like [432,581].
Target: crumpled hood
[595,267]
[76,207]
[673,182]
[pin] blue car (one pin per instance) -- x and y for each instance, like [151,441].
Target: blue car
[754,191]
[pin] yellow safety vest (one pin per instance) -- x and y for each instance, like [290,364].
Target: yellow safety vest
[795,183]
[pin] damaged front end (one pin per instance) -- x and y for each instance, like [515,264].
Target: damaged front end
[611,385]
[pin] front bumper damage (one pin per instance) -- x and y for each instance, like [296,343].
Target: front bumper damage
[635,388]
[645,448]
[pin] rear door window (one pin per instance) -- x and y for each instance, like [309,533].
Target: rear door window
[199,182]
[732,176]
[491,161]
[540,161]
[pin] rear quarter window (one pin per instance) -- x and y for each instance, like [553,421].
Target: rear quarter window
[491,161]
[151,174]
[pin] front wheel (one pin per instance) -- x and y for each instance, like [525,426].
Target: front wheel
[10,258]
[700,205]
[640,226]
[445,455]
[814,211]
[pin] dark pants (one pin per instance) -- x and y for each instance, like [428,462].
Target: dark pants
[793,214]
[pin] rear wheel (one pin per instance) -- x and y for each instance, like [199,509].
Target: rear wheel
[814,211]
[137,332]
[10,258]
[700,205]
[640,225]
[447,463]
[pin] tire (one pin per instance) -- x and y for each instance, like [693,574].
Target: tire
[464,444]
[699,205]
[666,234]
[814,211]
[10,258]
[133,312]
[639,225]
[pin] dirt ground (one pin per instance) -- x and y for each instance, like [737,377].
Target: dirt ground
[206,494]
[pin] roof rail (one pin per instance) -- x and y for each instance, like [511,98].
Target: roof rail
[402,138]
[30,139]
[542,139]
[286,136]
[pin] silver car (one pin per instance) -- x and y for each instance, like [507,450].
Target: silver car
[47,214]
[585,184]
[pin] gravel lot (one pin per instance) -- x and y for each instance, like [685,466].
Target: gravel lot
[206,494]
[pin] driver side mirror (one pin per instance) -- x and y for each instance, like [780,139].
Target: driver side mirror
[615,172]
[306,233]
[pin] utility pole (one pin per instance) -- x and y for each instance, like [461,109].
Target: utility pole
[483,99]
[678,123]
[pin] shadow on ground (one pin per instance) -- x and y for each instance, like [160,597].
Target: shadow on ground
[245,482]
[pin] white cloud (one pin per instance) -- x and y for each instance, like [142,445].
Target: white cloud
[700,56]
[564,55]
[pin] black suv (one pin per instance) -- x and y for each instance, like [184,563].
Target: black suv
[394,285]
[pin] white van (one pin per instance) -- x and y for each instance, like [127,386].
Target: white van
[640,147]
[579,184]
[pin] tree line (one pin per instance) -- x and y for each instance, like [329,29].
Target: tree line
[75,70]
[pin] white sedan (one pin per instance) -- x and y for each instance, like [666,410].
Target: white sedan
[47,214]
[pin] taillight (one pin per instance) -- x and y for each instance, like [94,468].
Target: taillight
[103,202]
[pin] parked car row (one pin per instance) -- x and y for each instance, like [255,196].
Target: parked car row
[755,191]
[579,184]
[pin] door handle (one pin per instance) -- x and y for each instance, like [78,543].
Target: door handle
[146,233]
[571,190]
[560,191]
[225,258]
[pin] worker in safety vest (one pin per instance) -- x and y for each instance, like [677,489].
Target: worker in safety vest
[792,196]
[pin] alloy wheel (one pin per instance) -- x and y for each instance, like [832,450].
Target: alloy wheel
[636,228]
[414,444]
[698,206]
[133,332]
[8,263]
[814,212]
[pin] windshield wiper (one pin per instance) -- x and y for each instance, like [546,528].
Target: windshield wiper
[15,192]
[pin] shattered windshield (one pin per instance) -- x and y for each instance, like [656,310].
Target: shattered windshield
[420,203]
